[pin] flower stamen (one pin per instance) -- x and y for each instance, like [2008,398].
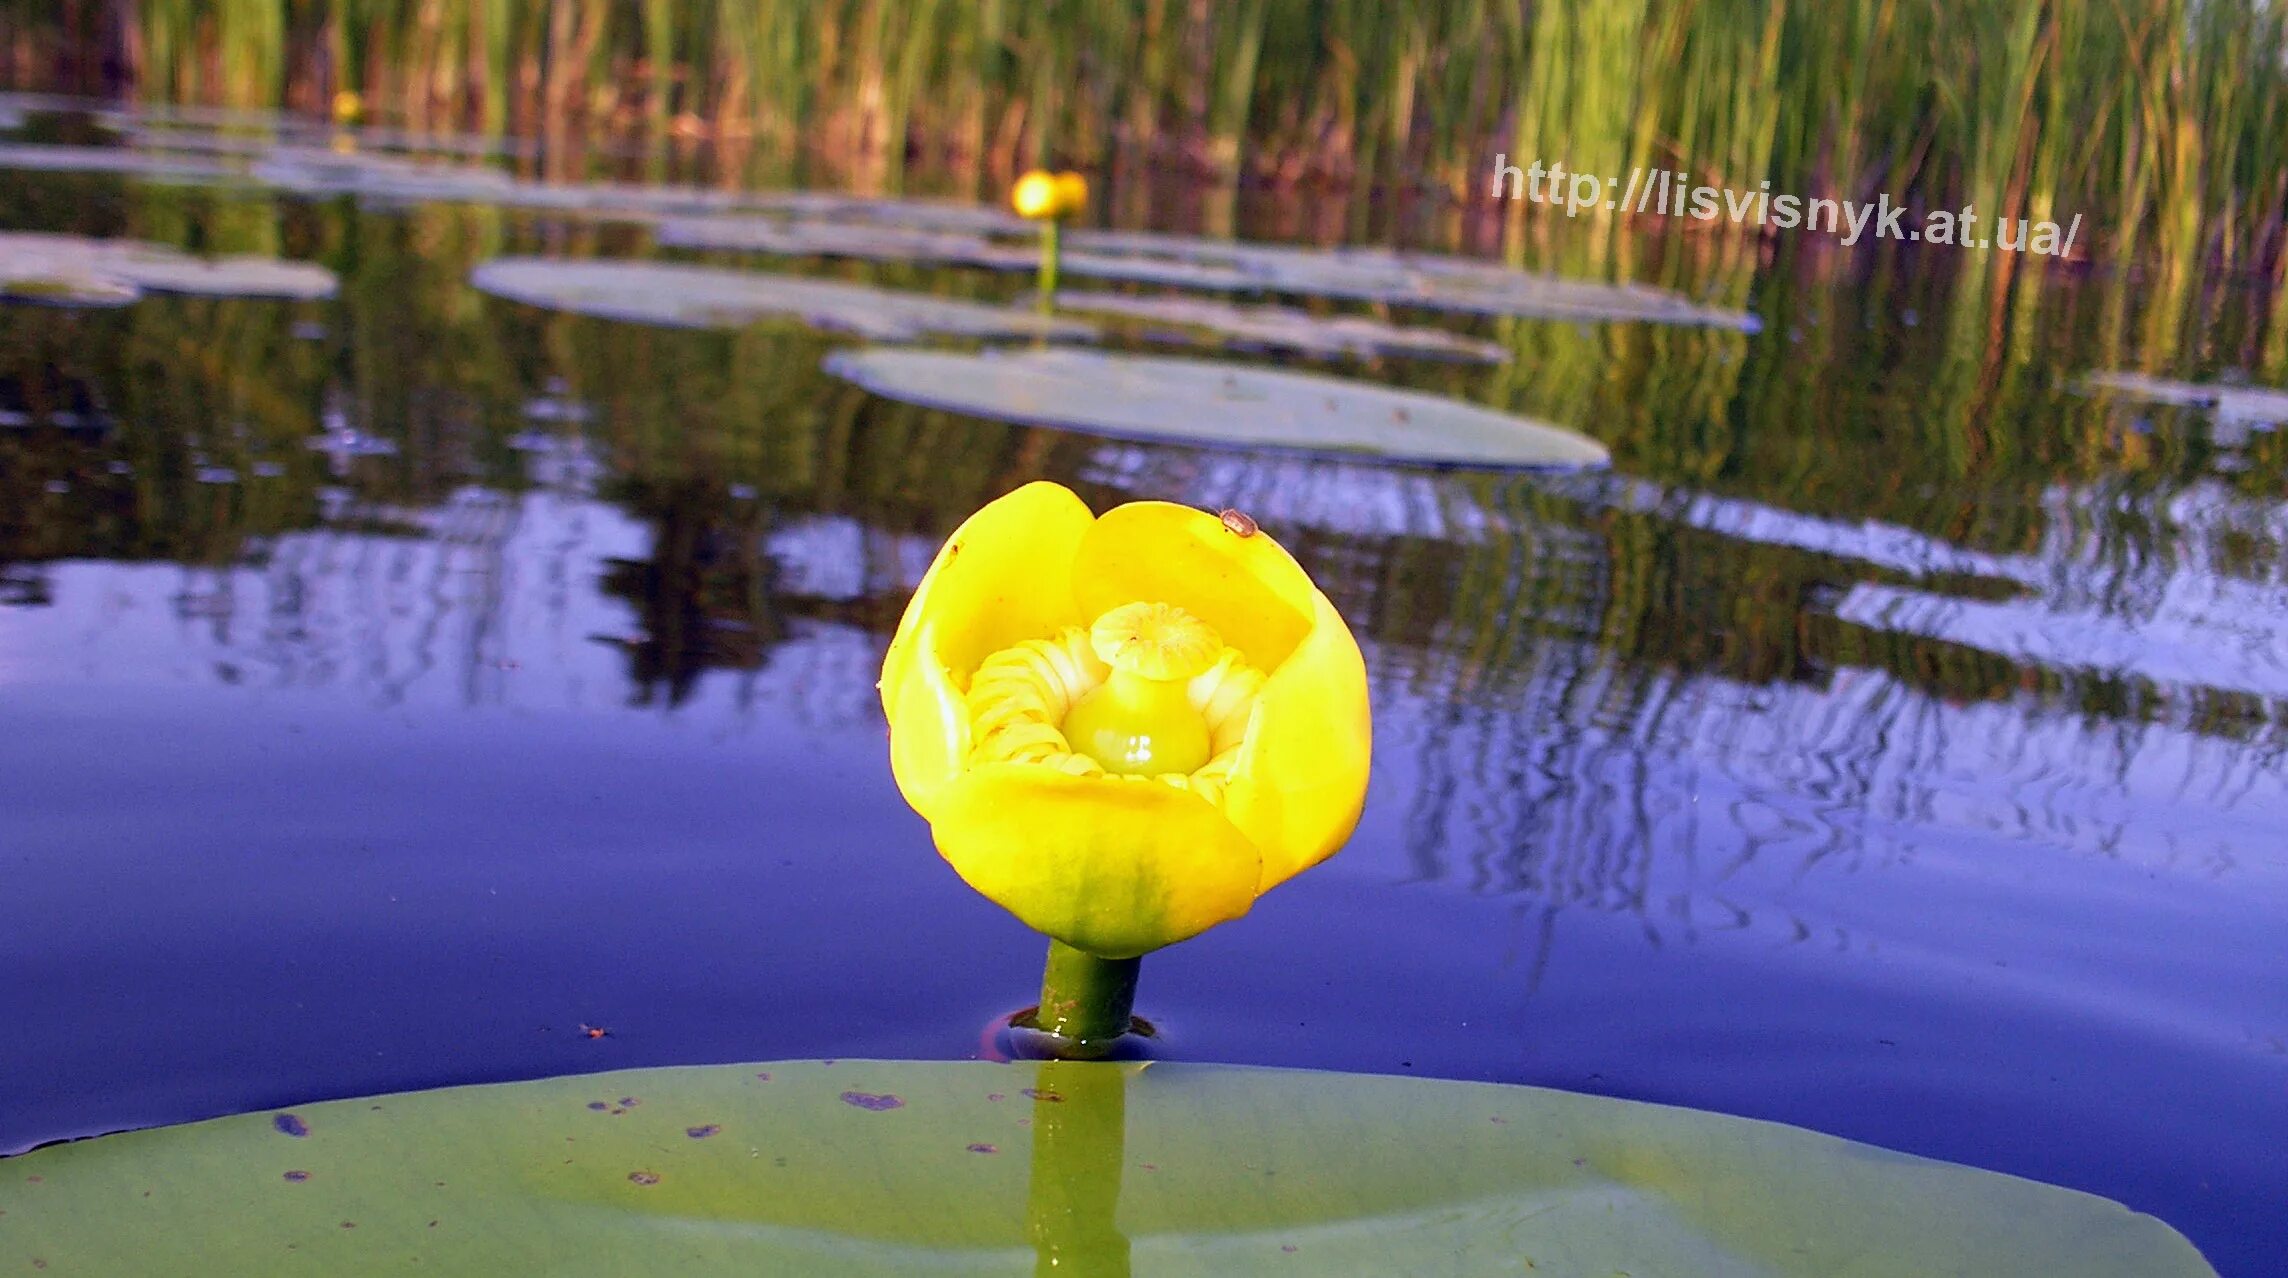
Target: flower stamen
[1147,693]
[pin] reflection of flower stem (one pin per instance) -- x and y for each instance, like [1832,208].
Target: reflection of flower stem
[1049,251]
[1086,1001]
[1080,1131]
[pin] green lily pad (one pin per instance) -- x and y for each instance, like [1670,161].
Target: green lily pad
[1430,280]
[1199,402]
[110,159]
[932,215]
[905,231]
[972,1167]
[871,241]
[69,270]
[685,296]
[2248,405]
[1285,328]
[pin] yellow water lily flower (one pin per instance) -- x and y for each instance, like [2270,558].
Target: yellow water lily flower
[1072,193]
[348,107]
[1125,728]
[1045,196]
[1035,195]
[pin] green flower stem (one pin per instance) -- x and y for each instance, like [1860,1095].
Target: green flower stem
[1087,1001]
[1048,276]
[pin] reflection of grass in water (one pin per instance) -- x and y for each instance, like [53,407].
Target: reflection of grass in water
[1960,454]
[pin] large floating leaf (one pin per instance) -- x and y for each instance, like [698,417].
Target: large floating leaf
[1195,401]
[1284,328]
[110,159]
[892,231]
[866,240]
[971,1167]
[69,270]
[2246,405]
[1416,279]
[687,296]
[387,178]
[931,215]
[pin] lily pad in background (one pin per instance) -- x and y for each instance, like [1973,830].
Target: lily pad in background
[69,270]
[872,241]
[882,233]
[2245,405]
[685,296]
[1200,402]
[1284,328]
[112,159]
[1437,281]
[810,223]
[975,1168]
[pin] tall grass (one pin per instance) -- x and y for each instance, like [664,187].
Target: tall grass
[2158,120]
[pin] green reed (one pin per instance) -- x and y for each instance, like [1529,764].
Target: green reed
[2155,119]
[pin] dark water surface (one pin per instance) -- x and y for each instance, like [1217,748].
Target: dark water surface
[1891,744]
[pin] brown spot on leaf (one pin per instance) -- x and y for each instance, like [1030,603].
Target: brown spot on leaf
[993,1096]
[599,1106]
[291,1125]
[1039,1095]
[297,1176]
[982,1148]
[876,1101]
[702,1133]
[643,1178]
[765,1076]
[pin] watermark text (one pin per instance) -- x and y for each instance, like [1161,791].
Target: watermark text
[1668,193]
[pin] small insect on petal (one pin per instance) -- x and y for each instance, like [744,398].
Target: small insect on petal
[1237,523]
[594,1031]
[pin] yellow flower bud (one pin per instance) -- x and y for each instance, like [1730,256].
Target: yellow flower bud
[1072,193]
[1035,195]
[1124,728]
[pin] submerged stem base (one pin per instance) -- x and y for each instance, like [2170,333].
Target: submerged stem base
[1087,1003]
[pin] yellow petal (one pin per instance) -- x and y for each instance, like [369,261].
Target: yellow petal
[929,729]
[1301,778]
[1002,577]
[1035,195]
[1249,589]
[1116,868]
[1072,193]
